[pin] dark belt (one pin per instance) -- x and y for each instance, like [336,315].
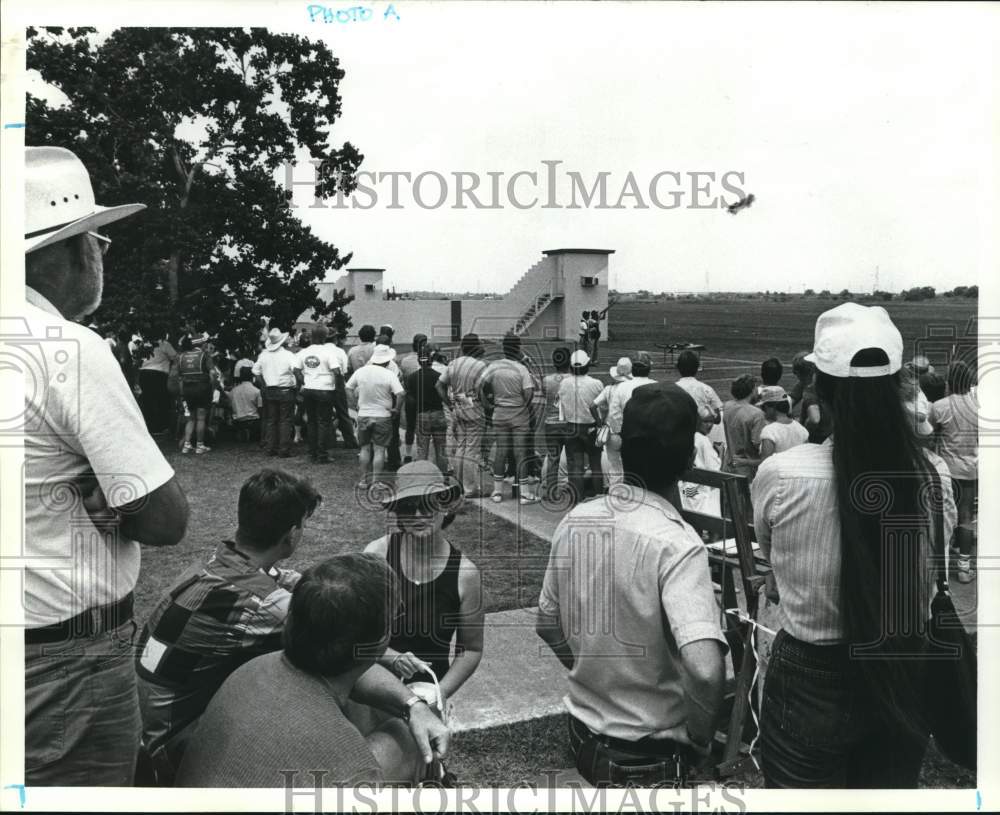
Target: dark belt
[86,624]
[645,747]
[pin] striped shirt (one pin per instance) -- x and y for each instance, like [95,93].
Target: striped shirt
[798,528]
[219,615]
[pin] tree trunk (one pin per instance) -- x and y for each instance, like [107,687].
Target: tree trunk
[173,274]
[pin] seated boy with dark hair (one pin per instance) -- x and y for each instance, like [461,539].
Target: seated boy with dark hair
[221,613]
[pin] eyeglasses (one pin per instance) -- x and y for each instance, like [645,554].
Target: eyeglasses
[413,506]
[103,242]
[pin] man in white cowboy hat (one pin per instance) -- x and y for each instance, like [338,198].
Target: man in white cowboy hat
[280,372]
[95,487]
[380,396]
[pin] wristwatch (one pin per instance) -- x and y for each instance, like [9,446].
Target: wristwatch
[408,706]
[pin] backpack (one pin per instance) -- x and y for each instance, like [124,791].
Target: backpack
[193,372]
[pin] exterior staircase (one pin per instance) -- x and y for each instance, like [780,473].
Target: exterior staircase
[538,304]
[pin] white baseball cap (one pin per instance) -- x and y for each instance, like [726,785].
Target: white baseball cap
[59,198]
[843,331]
[383,354]
[579,359]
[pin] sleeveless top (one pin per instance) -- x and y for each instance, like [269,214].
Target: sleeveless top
[427,623]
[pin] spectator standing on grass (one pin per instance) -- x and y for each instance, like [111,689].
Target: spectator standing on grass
[301,341]
[246,401]
[640,363]
[688,365]
[460,388]
[955,419]
[508,385]
[780,433]
[742,423]
[199,382]
[154,398]
[96,486]
[221,613]
[393,453]
[300,709]
[553,425]
[345,424]
[379,396]
[279,371]
[359,355]
[428,409]
[601,411]
[320,361]
[408,366]
[803,373]
[440,587]
[843,701]
[576,396]
[645,714]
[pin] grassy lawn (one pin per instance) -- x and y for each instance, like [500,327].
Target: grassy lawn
[512,561]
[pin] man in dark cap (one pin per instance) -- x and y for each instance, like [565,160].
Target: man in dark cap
[646,689]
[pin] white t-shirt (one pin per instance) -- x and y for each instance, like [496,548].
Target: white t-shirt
[703,395]
[619,398]
[161,358]
[784,436]
[318,364]
[698,497]
[81,422]
[375,387]
[276,367]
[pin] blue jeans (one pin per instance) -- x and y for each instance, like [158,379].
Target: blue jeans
[81,711]
[819,730]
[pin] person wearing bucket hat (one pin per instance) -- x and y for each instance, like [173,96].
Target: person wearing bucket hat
[379,396]
[279,372]
[649,715]
[638,363]
[841,588]
[460,387]
[601,411]
[440,587]
[84,436]
[780,433]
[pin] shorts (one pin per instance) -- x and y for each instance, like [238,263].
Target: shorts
[198,399]
[375,430]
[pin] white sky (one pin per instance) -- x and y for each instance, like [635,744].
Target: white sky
[866,133]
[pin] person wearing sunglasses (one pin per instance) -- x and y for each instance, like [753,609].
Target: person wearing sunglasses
[439,586]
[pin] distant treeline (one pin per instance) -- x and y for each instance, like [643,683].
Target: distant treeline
[911,295]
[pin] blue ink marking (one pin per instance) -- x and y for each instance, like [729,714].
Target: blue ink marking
[13,125]
[18,787]
[979,800]
[319,13]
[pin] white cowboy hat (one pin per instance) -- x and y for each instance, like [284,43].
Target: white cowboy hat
[59,199]
[275,338]
[382,354]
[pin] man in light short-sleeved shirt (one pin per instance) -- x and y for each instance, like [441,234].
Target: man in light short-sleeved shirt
[642,573]
[379,394]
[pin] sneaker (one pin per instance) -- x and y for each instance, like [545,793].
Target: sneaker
[201,448]
[187,448]
[496,497]
[528,499]
[966,574]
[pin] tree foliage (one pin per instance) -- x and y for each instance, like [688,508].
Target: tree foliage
[918,293]
[197,123]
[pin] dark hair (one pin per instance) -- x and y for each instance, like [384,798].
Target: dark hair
[771,371]
[959,377]
[580,370]
[688,363]
[419,340]
[271,503]
[560,359]
[186,344]
[640,369]
[586,313]
[657,461]
[511,345]
[880,472]
[933,386]
[366,333]
[340,613]
[780,406]
[383,339]
[743,386]
[387,329]
[595,314]
[470,346]
[319,333]
[246,375]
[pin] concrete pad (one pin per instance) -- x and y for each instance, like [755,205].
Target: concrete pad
[538,519]
[518,679]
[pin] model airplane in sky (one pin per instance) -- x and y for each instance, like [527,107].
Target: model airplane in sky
[743,203]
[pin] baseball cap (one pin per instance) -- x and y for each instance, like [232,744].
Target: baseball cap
[579,359]
[843,331]
[772,393]
[660,411]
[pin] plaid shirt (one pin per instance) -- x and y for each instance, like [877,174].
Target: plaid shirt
[219,615]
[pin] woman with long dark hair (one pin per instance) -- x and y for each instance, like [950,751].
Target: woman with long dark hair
[848,527]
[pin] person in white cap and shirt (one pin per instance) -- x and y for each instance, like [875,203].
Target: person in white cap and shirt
[380,396]
[280,371]
[843,706]
[95,487]
[576,395]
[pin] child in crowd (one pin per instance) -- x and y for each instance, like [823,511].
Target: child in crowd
[781,432]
